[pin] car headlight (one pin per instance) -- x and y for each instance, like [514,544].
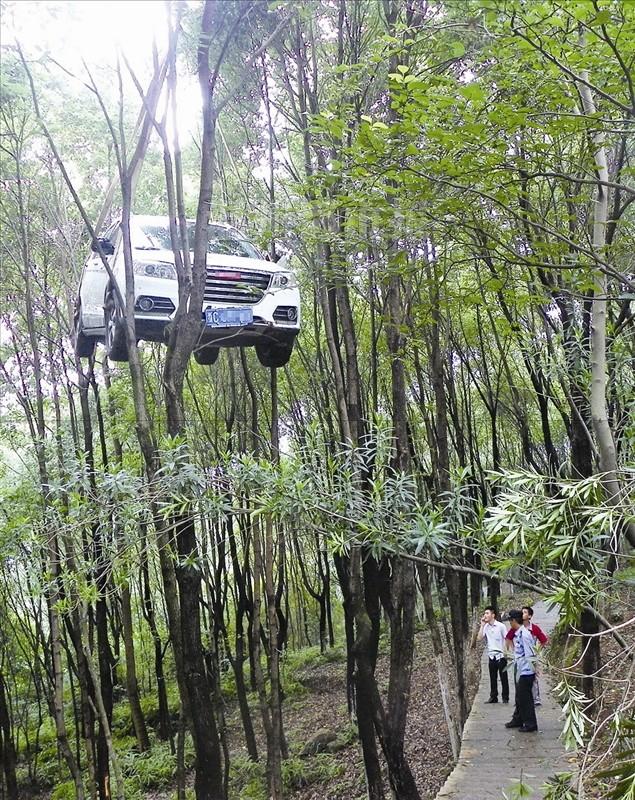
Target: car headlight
[155,269]
[284,280]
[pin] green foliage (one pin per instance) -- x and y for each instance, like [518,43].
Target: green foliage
[519,790]
[559,787]
[623,771]
[65,791]
[560,526]
[452,156]
[49,772]
[576,722]
[152,770]
[293,686]
[300,772]
[307,657]
[247,780]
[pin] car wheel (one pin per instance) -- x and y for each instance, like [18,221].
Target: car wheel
[115,335]
[274,354]
[206,356]
[83,345]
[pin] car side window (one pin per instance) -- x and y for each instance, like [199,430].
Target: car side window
[111,232]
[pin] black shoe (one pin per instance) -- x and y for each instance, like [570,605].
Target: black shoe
[506,701]
[514,723]
[492,700]
[525,729]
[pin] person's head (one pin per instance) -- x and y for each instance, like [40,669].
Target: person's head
[489,615]
[528,613]
[515,619]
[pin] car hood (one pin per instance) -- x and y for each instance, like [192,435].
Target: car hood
[213,260]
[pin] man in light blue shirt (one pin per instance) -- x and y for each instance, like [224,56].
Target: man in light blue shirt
[524,658]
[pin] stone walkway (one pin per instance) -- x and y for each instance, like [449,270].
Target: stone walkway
[493,758]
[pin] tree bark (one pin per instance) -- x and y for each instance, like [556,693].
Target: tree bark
[132,685]
[7,749]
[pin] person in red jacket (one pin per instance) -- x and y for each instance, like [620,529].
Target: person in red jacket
[539,636]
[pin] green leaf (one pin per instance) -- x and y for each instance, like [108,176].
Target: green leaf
[601,18]
[458,49]
[473,92]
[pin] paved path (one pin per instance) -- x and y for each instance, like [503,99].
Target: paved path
[492,757]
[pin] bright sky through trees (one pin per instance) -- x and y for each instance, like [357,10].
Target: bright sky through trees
[77,31]
[72,31]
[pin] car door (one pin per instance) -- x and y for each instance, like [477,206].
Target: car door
[93,285]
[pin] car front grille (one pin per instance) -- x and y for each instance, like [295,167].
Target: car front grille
[243,287]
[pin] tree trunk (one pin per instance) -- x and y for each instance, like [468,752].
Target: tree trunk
[165,727]
[209,777]
[132,686]
[274,747]
[7,749]
[274,775]
[442,668]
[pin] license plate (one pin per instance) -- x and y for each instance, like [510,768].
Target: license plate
[228,317]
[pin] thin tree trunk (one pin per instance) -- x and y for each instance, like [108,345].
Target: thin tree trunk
[442,667]
[132,685]
[274,776]
[101,708]
[165,727]
[599,417]
[7,749]
[274,747]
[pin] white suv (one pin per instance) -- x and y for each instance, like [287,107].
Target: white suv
[248,300]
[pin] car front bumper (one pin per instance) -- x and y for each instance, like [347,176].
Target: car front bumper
[151,325]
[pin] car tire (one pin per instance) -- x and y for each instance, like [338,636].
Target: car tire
[274,354]
[84,345]
[114,333]
[206,356]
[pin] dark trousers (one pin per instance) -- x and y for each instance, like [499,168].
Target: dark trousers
[498,667]
[525,711]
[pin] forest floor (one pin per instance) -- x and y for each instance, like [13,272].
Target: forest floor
[320,706]
[315,687]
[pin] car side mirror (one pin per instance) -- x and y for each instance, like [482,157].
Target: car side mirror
[106,245]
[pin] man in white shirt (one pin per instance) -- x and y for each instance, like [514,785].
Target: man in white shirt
[494,633]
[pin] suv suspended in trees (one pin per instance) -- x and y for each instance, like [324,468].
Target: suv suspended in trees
[247,300]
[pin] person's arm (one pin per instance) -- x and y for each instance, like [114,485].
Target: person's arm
[502,633]
[529,646]
[539,634]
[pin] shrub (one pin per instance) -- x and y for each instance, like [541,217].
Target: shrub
[64,791]
[247,779]
[149,770]
[48,766]
[299,772]
[122,721]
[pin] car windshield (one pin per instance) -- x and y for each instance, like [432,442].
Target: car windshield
[224,241]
